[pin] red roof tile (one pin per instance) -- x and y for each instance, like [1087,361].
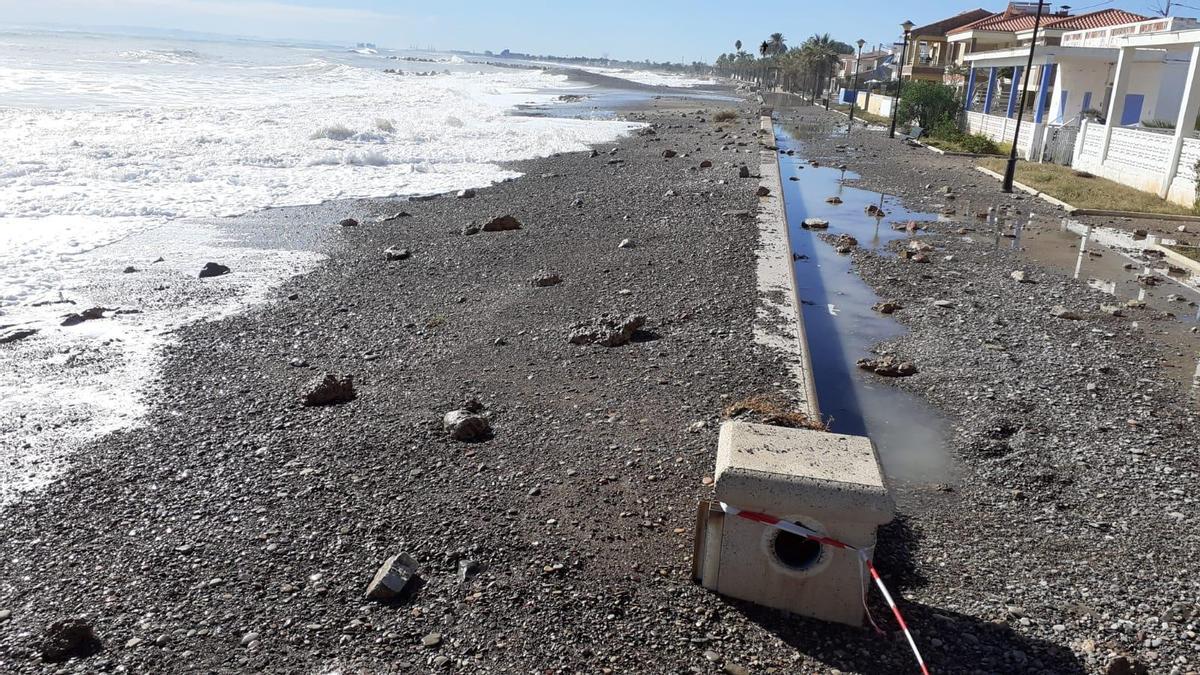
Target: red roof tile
[1007,22]
[948,25]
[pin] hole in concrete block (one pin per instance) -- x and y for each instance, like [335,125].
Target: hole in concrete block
[795,552]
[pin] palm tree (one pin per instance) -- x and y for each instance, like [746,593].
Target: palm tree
[737,46]
[821,55]
[764,49]
[777,43]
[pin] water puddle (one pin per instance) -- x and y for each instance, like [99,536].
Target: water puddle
[841,325]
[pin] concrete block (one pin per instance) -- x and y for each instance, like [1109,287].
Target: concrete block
[830,483]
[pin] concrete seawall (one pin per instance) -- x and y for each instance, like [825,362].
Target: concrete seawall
[779,324]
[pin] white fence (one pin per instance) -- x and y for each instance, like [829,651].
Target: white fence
[1002,130]
[1139,159]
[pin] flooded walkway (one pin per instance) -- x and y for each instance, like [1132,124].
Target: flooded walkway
[840,324]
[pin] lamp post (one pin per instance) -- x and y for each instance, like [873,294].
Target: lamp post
[1011,169]
[907,26]
[854,87]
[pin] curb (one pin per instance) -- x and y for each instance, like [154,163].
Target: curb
[1138,214]
[1178,259]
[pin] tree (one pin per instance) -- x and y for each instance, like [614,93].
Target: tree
[764,49]
[820,55]
[737,46]
[931,104]
[777,44]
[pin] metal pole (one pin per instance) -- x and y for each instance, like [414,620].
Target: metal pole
[854,87]
[1010,170]
[899,84]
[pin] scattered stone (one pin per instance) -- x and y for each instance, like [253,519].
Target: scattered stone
[833,200]
[432,640]
[249,639]
[668,154]
[737,214]
[887,307]
[762,191]
[396,579]
[68,639]
[502,224]
[888,366]
[944,304]
[1021,277]
[874,211]
[466,425]
[466,194]
[348,222]
[470,230]
[743,171]
[594,154]
[1063,313]
[467,569]
[815,224]
[393,254]
[395,216]
[625,243]
[546,280]
[845,243]
[735,669]
[1112,310]
[328,390]
[706,164]
[213,269]
[607,332]
[129,270]
[1148,280]
[1122,665]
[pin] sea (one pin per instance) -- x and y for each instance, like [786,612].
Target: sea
[112,142]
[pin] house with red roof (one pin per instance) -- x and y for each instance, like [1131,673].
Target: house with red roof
[1069,76]
[928,55]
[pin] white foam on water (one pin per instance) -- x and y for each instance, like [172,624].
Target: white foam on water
[651,78]
[106,141]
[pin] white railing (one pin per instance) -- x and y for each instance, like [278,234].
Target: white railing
[1111,36]
[1140,149]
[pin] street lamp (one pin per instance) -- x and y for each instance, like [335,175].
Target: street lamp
[854,87]
[907,26]
[1011,169]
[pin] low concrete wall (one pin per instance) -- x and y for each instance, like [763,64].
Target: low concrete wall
[779,323]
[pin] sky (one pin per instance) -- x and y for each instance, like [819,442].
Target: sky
[659,30]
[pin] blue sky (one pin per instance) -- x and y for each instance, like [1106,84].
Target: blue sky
[657,29]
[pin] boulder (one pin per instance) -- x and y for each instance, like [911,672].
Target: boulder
[466,425]
[466,194]
[546,280]
[833,200]
[68,639]
[888,366]
[213,269]
[874,211]
[743,171]
[348,222]
[1061,312]
[887,307]
[328,390]
[607,332]
[502,224]
[762,191]
[815,224]
[394,253]
[396,579]
[706,164]
[1020,277]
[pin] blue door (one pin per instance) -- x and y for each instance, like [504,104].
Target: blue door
[1087,101]
[1132,114]
[1062,105]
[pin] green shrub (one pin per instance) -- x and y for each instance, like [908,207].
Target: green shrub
[1158,124]
[929,103]
[978,144]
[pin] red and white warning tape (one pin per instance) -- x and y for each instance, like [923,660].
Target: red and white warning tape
[864,557]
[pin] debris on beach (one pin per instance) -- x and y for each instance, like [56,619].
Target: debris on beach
[15,334]
[668,154]
[743,171]
[845,243]
[467,424]
[466,194]
[625,243]
[396,579]
[775,410]
[130,270]
[762,191]
[815,224]
[874,211]
[328,390]
[213,269]
[395,216]
[888,366]
[706,164]
[1060,312]
[348,222]
[86,315]
[833,200]
[393,253]
[887,307]
[607,332]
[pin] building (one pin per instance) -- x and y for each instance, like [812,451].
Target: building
[994,53]
[928,55]
[873,65]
